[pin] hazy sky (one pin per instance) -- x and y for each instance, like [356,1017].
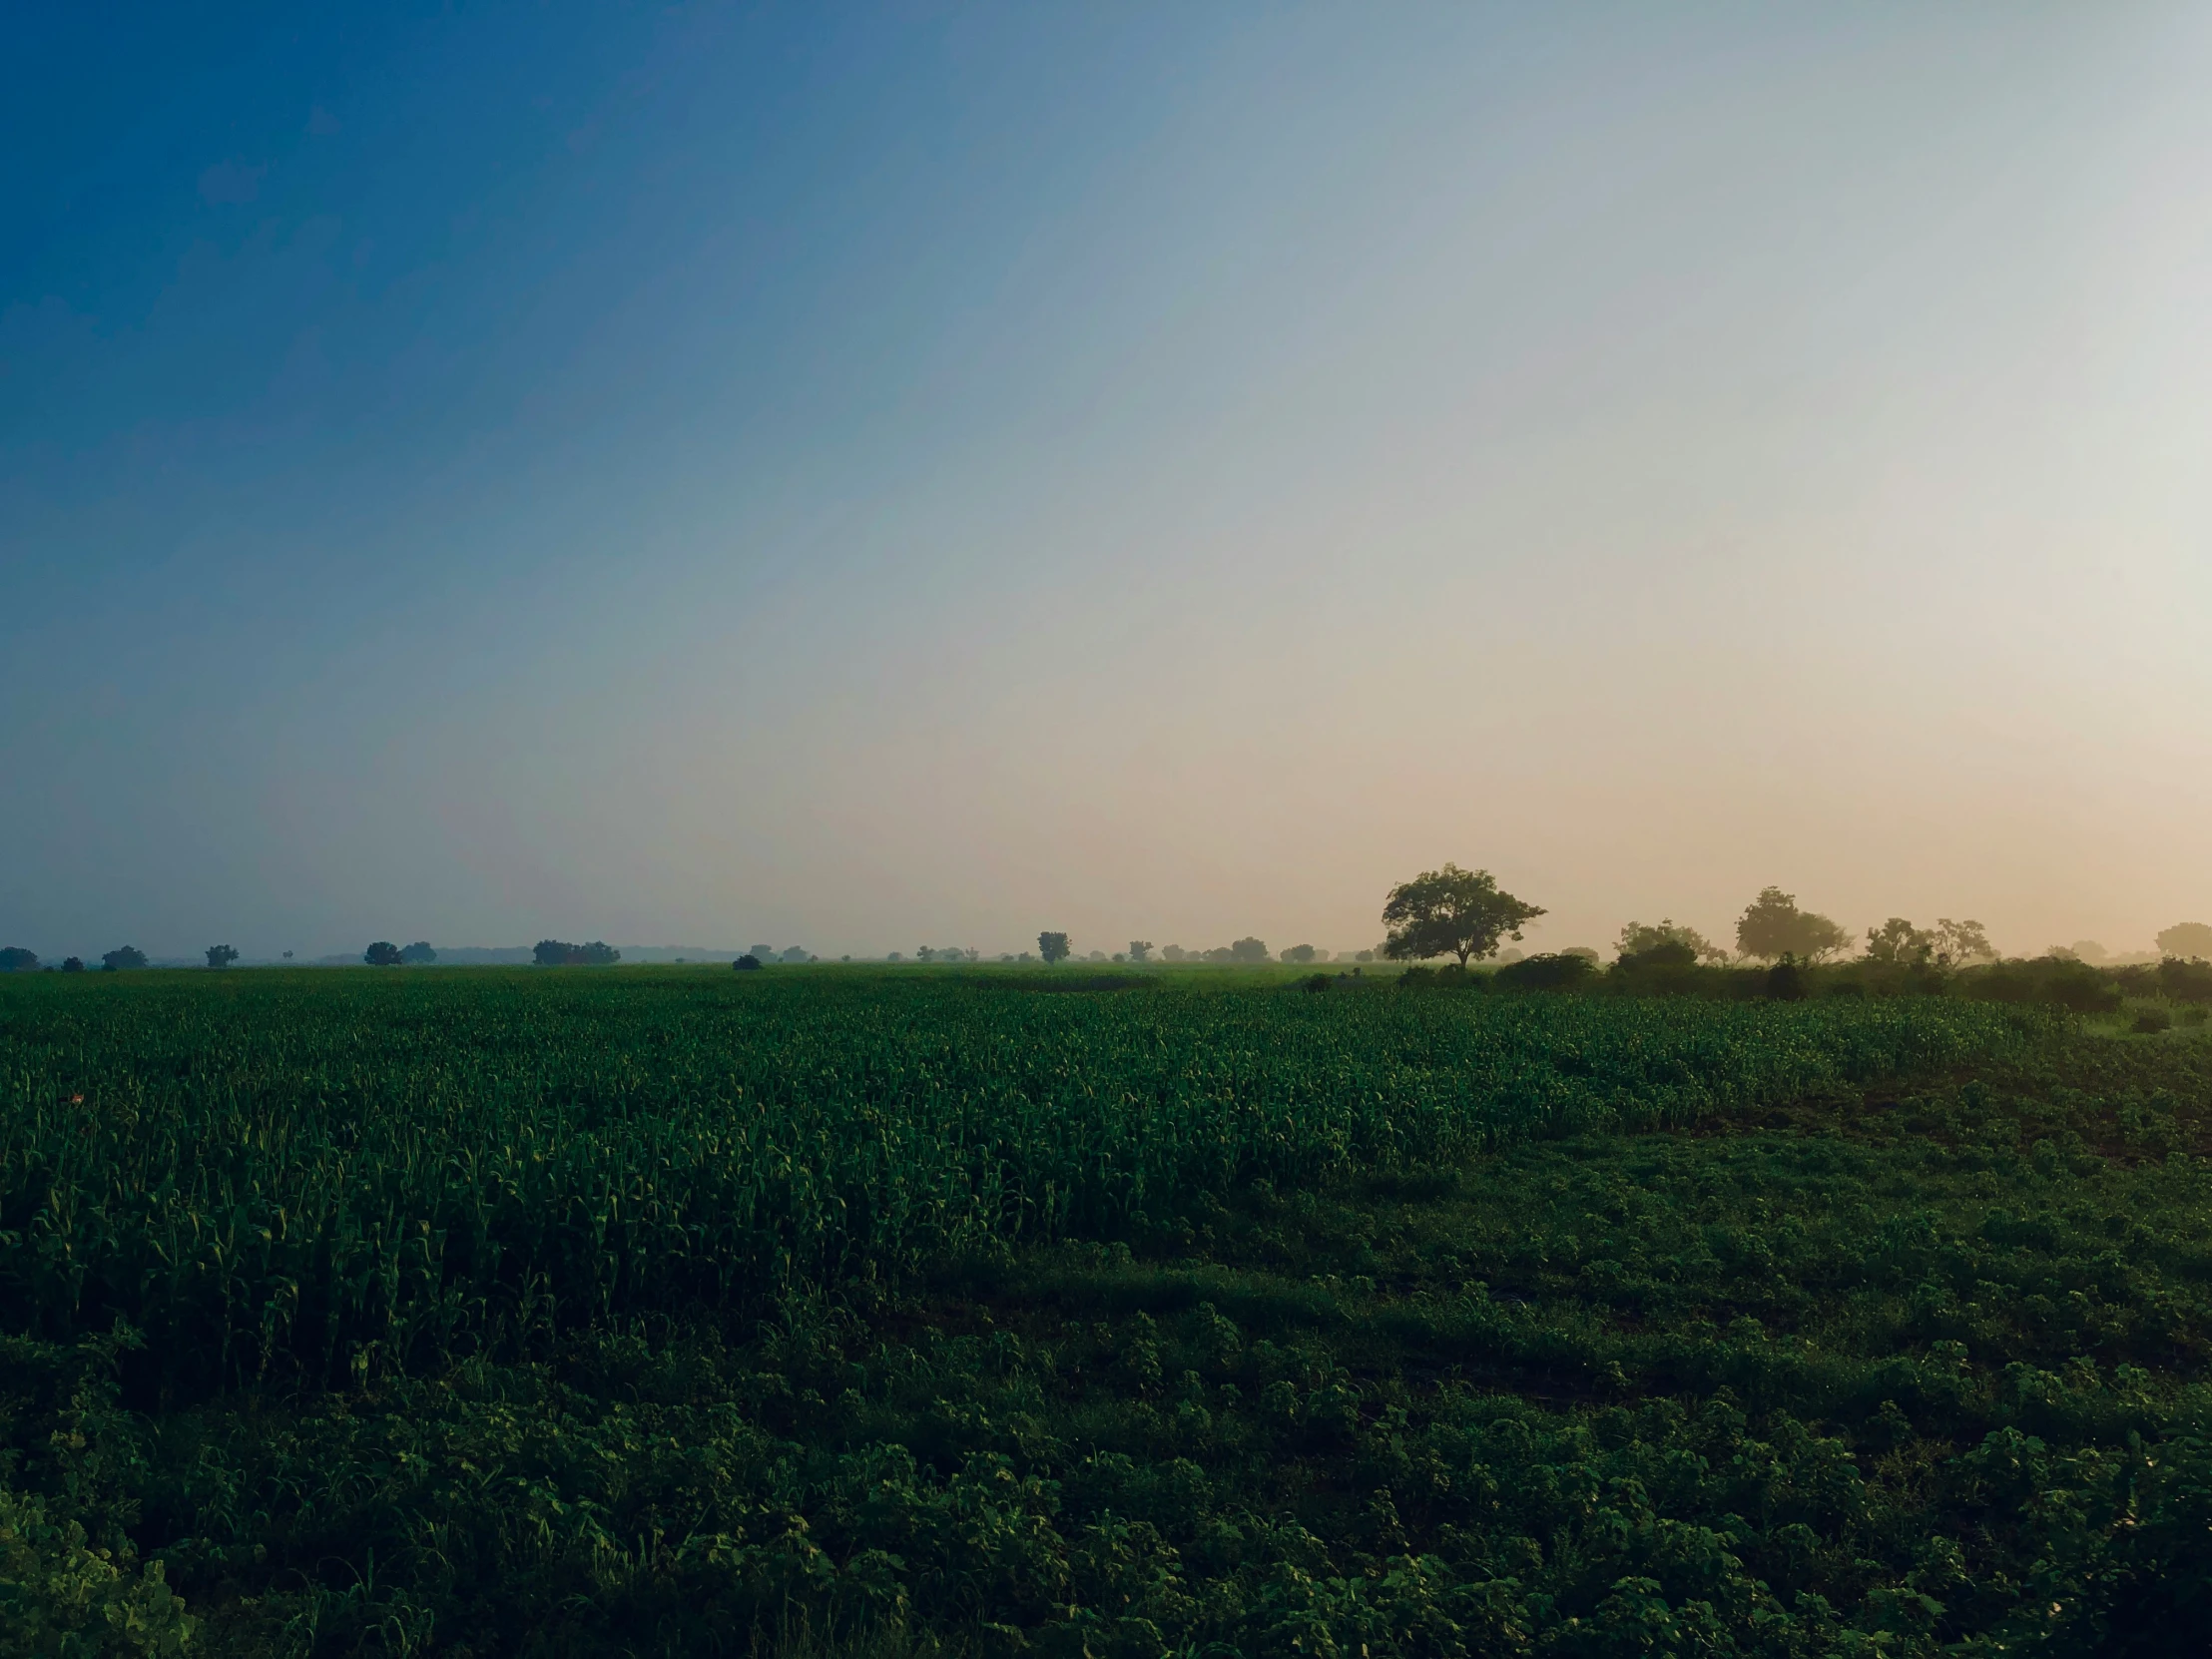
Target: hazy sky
[874,477]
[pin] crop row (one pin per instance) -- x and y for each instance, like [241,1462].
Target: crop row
[326,1175]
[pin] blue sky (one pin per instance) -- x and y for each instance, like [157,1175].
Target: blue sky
[878,476]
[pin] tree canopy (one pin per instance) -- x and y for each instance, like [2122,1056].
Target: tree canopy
[1962,941]
[1773,927]
[557,953]
[1666,942]
[1451,913]
[384,953]
[123,957]
[16,959]
[1898,944]
[221,956]
[1053,948]
[418,952]
[2187,940]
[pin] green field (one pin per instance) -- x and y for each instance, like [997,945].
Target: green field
[667,1311]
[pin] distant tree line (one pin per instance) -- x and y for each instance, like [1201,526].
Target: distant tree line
[15,959]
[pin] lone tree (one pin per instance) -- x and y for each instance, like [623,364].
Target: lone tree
[1964,942]
[1773,927]
[1140,951]
[2187,940]
[418,952]
[1299,953]
[1451,913]
[384,953]
[15,959]
[1249,951]
[124,956]
[221,956]
[1053,948]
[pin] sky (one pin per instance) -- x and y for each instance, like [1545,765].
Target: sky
[881,477]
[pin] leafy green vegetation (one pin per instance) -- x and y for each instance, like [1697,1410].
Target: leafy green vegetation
[828,1312]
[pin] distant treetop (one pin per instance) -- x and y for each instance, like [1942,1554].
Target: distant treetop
[1772,927]
[1666,942]
[2189,940]
[560,954]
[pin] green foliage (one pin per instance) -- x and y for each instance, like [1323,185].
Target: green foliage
[986,1310]
[123,958]
[2061,981]
[384,953]
[1896,1369]
[61,1599]
[1451,913]
[1053,948]
[325,1176]
[2189,981]
[15,959]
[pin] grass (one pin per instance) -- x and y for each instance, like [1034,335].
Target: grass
[1439,1325]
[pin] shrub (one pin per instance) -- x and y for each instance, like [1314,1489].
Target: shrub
[2153,1019]
[748,963]
[1786,981]
[2063,981]
[65,1598]
[1667,954]
[1547,971]
[2185,981]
